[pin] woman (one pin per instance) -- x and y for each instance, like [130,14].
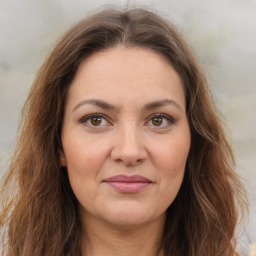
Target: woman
[121,151]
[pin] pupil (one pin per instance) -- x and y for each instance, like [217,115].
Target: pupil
[96,121]
[157,121]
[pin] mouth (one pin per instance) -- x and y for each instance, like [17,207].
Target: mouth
[128,184]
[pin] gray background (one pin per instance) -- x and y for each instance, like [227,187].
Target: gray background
[221,32]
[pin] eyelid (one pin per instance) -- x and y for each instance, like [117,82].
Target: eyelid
[169,119]
[87,117]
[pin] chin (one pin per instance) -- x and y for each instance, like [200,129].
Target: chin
[130,215]
[124,220]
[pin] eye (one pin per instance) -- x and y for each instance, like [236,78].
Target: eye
[157,121]
[94,120]
[160,120]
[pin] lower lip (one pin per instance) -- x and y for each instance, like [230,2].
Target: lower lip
[128,187]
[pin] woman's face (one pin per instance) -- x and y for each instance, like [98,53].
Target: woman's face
[125,136]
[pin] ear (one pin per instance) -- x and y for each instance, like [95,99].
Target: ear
[62,158]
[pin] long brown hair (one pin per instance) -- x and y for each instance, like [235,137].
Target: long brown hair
[40,217]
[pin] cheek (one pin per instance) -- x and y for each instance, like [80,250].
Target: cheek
[83,165]
[84,156]
[170,160]
[172,156]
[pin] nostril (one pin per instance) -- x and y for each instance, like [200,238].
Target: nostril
[128,147]
[135,162]
[128,158]
[129,162]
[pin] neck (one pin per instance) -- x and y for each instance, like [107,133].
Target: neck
[99,238]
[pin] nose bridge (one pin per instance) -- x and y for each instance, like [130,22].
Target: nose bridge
[129,146]
[129,136]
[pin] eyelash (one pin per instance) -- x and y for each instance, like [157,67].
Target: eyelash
[168,118]
[86,118]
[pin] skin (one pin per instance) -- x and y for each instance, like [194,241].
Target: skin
[130,138]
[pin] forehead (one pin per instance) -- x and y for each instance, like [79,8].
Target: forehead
[122,74]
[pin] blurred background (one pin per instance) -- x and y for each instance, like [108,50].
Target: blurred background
[221,32]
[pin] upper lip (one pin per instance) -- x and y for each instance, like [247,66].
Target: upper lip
[128,179]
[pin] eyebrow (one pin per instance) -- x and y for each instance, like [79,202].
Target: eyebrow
[161,103]
[98,103]
[104,105]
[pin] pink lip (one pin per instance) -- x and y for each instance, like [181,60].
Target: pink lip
[128,184]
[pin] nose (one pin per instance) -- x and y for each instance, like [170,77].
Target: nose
[129,147]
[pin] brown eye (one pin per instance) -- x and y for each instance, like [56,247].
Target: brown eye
[95,121]
[157,121]
[161,121]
